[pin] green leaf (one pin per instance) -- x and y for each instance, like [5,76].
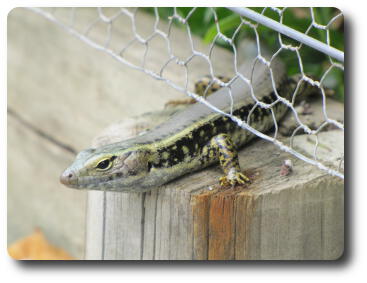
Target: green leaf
[226,24]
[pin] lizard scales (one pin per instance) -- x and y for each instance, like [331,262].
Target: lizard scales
[190,140]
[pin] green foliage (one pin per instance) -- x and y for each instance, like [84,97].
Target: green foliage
[226,25]
[202,24]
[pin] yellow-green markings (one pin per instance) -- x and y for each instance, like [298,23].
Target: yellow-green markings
[143,162]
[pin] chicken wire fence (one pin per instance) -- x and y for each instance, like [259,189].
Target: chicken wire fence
[308,49]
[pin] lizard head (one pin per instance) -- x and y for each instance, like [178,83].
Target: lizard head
[109,167]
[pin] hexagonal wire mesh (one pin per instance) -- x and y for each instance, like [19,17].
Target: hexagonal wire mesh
[273,30]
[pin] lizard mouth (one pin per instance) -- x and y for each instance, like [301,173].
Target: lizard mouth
[112,182]
[71,180]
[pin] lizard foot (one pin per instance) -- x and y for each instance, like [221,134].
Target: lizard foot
[236,179]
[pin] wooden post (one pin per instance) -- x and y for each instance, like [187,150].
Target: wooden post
[299,216]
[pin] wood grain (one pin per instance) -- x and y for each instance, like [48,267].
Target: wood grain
[299,216]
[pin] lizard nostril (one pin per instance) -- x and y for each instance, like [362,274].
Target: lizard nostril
[66,178]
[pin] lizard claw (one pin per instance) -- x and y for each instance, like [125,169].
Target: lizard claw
[235,179]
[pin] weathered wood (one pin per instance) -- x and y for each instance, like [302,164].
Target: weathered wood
[222,226]
[299,216]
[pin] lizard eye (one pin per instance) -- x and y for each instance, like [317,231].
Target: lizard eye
[104,164]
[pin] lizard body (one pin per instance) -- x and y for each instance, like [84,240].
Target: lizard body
[190,140]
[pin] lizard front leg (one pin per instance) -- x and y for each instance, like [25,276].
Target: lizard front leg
[228,159]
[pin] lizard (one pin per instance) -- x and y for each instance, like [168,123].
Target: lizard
[192,139]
